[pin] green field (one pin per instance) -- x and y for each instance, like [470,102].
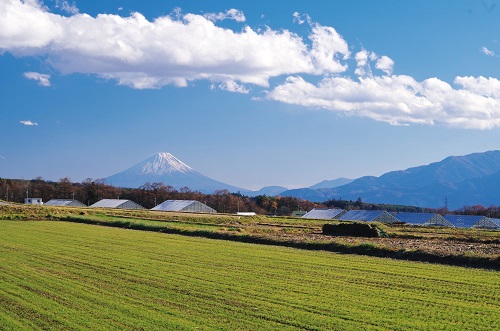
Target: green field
[69,276]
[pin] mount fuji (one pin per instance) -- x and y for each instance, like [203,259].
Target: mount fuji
[169,170]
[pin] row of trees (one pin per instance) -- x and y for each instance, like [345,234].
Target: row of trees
[149,195]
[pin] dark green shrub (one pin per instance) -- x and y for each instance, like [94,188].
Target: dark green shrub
[353,230]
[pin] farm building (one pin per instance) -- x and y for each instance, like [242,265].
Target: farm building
[186,206]
[368,216]
[488,223]
[464,221]
[64,203]
[116,203]
[33,201]
[323,213]
[423,219]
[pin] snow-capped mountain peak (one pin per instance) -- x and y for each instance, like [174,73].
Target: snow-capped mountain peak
[169,170]
[164,163]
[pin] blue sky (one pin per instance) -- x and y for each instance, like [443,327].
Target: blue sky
[249,93]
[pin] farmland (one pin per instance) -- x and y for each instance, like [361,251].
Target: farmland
[454,246]
[69,276]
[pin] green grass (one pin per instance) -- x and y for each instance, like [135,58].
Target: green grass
[68,276]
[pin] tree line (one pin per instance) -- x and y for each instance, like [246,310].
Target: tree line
[149,195]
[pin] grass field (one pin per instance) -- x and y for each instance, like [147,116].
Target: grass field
[69,276]
[477,248]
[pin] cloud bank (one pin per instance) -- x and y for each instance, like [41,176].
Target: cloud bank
[182,48]
[400,100]
[168,50]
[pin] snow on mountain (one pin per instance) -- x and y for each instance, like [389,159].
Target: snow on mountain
[164,163]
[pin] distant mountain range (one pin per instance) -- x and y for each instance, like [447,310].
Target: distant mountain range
[461,180]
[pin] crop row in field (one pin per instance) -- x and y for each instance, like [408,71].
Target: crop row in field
[57,275]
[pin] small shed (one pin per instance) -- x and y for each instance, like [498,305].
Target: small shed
[116,203]
[368,216]
[64,203]
[185,206]
[488,223]
[33,201]
[324,213]
[298,213]
[422,219]
[464,221]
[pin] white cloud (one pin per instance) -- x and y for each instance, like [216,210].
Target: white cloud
[386,64]
[232,86]
[2,157]
[26,26]
[400,100]
[363,67]
[68,8]
[43,79]
[328,47]
[487,51]
[168,50]
[231,14]
[364,59]
[28,123]
[301,19]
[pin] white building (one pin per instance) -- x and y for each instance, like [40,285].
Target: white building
[33,201]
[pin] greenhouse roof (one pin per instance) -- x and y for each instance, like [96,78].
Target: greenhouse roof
[174,205]
[323,213]
[422,218]
[63,202]
[364,215]
[113,203]
[463,221]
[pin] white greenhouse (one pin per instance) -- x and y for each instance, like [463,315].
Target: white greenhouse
[323,213]
[422,219]
[64,203]
[185,206]
[116,203]
[464,221]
